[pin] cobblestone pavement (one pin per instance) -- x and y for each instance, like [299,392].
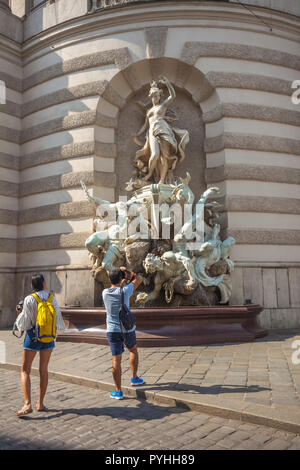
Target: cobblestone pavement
[256,377]
[259,372]
[82,418]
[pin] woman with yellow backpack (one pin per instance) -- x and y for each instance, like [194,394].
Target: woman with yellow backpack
[40,318]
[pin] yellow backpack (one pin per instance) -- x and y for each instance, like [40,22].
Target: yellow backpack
[45,328]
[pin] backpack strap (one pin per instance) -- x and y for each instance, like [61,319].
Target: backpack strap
[36,297]
[122,297]
[122,305]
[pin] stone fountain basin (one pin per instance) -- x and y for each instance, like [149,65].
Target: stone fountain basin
[181,326]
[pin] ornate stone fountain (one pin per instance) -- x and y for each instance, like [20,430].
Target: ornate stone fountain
[172,241]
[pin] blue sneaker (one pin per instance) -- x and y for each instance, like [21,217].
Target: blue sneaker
[117,395]
[136,381]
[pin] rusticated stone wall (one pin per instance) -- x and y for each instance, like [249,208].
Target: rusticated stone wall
[276,288]
[67,94]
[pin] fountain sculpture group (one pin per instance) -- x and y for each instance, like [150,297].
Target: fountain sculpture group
[194,264]
[171,241]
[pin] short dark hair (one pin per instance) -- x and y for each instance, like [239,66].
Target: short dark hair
[37,282]
[116,275]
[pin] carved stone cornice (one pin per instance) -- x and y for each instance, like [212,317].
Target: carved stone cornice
[233,17]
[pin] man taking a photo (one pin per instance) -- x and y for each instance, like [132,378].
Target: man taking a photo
[116,335]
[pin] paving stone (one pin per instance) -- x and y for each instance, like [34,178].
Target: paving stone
[209,427]
[248,427]
[248,444]
[189,430]
[227,443]
[215,447]
[239,435]
[263,436]
[203,444]
[277,444]
[296,441]
[207,370]
[294,447]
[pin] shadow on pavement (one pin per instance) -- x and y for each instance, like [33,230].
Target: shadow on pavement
[144,410]
[272,336]
[204,390]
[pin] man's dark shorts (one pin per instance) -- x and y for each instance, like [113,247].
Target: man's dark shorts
[117,340]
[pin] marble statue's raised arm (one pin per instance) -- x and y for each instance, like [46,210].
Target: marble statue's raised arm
[172,92]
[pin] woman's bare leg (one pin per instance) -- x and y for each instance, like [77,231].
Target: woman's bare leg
[43,367]
[27,360]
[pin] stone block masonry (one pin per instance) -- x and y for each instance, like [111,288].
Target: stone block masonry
[71,73]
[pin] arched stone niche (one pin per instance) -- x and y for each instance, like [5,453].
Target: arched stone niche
[118,117]
[198,108]
[131,119]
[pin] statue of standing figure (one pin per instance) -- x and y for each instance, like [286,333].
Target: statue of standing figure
[165,145]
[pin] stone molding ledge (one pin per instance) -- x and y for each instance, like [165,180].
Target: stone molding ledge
[9,161]
[217,79]
[250,82]
[285,25]
[66,210]
[73,121]
[253,111]
[66,181]
[75,267]
[9,189]
[52,242]
[8,217]
[256,173]
[77,240]
[53,154]
[194,50]
[47,242]
[120,57]
[251,142]
[277,205]
[265,237]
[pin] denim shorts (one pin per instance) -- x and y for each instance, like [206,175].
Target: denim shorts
[117,340]
[32,345]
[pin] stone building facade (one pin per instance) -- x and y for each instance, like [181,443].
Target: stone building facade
[72,71]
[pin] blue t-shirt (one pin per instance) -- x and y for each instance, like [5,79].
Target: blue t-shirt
[112,302]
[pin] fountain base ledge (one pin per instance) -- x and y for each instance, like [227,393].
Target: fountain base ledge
[158,327]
